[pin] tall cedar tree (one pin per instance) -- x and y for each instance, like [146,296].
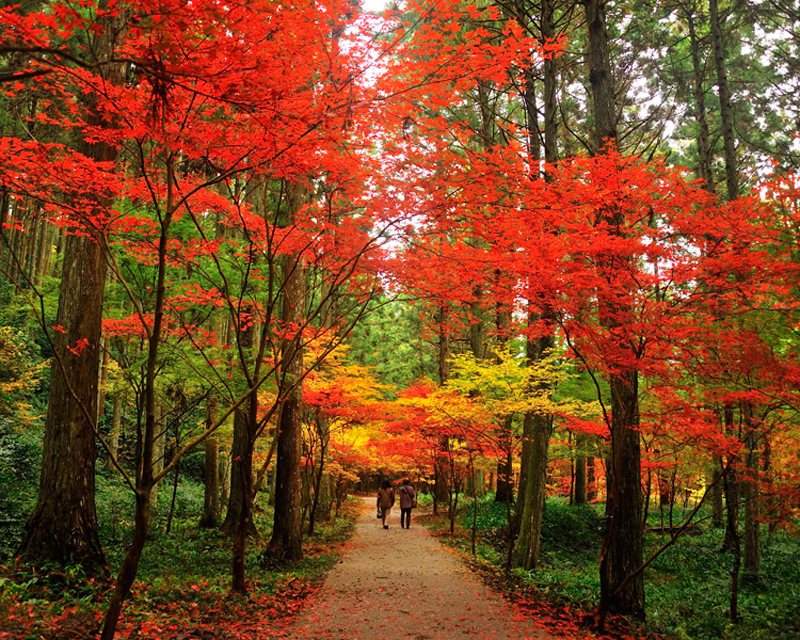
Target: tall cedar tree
[63,525]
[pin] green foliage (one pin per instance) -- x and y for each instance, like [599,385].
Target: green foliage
[687,587]
[184,578]
[491,515]
[392,339]
[22,400]
[571,529]
[193,464]
[20,459]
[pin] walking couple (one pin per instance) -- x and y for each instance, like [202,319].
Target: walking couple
[408,500]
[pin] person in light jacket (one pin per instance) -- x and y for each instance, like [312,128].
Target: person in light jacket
[385,501]
[408,500]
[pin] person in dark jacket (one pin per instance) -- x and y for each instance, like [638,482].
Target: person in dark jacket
[385,501]
[408,500]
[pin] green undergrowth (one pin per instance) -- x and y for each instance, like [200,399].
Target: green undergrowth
[183,584]
[687,587]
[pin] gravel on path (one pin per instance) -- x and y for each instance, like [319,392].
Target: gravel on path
[402,584]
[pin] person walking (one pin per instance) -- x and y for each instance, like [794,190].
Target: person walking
[385,501]
[408,500]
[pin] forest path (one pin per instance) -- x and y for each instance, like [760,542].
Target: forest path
[402,584]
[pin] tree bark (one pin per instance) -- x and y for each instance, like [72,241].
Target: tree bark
[116,429]
[579,491]
[5,236]
[732,541]
[63,525]
[159,438]
[603,100]
[441,492]
[505,468]
[145,479]
[622,550]
[530,535]
[45,251]
[623,547]
[537,429]
[704,168]
[444,344]
[243,524]
[240,462]
[591,480]
[522,489]
[476,328]
[751,570]
[225,476]
[717,507]
[725,108]
[210,516]
[101,390]
[286,542]
[550,86]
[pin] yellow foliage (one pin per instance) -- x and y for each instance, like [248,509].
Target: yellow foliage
[508,385]
[18,376]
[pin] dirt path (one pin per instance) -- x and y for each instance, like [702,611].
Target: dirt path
[401,584]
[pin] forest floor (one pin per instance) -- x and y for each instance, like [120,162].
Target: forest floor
[395,584]
[402,584]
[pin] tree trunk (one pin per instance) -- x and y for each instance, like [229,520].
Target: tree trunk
[210,517]
[579,491]
[770,501]
[243,525]
[591,480]
[530,534]
[480,483]
[63,525]
[5,239]
[319,473]
[20,273]
[101,390]
[225,476]
[286,542]
[130,567]
[622,550]
[238,488]
[476,328]
[717,507]
[444,345]
[550,86]
[603,101]
[524,470]
[159,439]
[441,493]
[116,429]
[537,429]
[145,479]
[704,168]
[45,251]
[725,109]
[732,542]
[505,468]
[752,532]
[505,471]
